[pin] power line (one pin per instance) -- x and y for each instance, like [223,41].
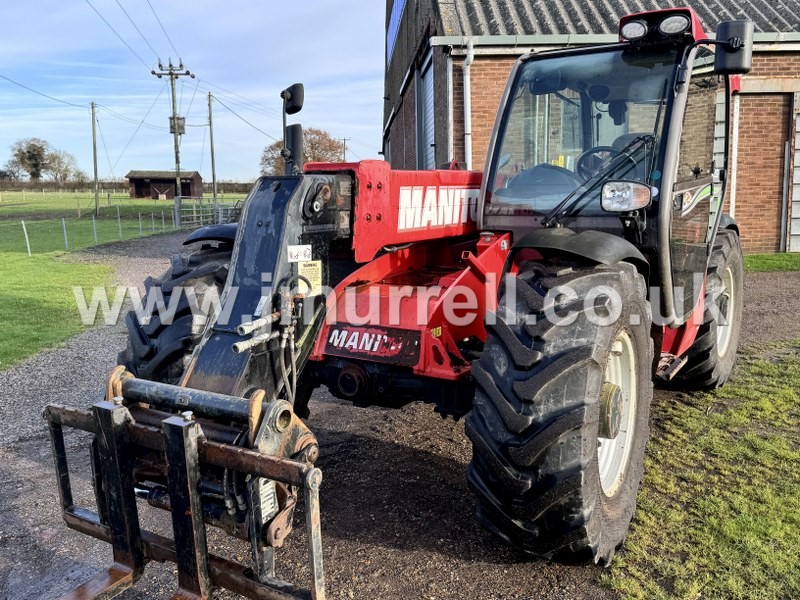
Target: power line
[137,29]
[246,121]
[254,106]
[140,125]
[178,54]
[202,150]
[191,101]
[132,120]
[247,101]
[117,34]
[30,89]
[108,158]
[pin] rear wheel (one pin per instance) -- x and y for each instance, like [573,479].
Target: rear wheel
[160,351]
[561,410]
[711,358]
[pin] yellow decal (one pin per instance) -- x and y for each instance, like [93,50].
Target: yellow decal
[436,332]
[311,270]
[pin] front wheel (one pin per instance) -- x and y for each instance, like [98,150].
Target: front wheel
[560,420]
[711,358]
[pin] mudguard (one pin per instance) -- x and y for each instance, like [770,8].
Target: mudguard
[225,232]
[597,246]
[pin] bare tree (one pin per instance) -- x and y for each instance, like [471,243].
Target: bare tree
[318,146]
[12,170]
[61,165]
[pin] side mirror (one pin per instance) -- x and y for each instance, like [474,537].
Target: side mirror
[293,98]
[734,53]
[294,147]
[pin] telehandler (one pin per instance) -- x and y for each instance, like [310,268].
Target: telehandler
[540,298]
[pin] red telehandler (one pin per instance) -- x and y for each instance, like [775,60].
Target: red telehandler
[540,299]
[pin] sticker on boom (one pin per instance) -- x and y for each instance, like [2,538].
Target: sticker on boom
[426,207]
[396,346]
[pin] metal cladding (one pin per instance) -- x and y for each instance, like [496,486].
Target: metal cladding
[544,17]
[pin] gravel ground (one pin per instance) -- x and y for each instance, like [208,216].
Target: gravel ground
[397,516]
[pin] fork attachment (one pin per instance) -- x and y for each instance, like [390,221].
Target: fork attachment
[208,459]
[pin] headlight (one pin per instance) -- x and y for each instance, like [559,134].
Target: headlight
[624,196]
[633,30]
[674,25]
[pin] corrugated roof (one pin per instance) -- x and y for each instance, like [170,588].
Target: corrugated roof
[548,17]
[158,174]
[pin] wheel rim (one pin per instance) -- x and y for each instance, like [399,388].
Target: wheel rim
[725,304]
[613,454]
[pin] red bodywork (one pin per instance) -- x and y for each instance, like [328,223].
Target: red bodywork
[428,277]
[432,287]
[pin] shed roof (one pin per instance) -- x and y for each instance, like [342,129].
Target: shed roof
[160,174]
[549,17]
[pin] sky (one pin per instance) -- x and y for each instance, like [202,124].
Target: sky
[242,51]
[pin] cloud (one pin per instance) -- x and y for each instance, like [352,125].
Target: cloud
[244,48]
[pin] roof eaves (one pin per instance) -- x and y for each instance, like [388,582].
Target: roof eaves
[577,39]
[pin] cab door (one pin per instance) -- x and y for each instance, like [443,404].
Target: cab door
[695,192]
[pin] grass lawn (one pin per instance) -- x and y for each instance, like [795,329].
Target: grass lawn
[759,263]
[719,510]
[43,214]
[37,307]
[35,205]
[48,235]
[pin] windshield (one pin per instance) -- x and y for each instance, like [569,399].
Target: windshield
[575,121]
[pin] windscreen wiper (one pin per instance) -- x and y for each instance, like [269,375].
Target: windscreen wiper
[567,206]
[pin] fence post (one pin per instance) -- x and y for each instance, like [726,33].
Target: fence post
[27,241]
[108,199]
[119,223]
[66,241]
[94,228]
[172,212]
[140,224]
[153,221]
[163,223]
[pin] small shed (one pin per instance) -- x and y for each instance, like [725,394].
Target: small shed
[161,184]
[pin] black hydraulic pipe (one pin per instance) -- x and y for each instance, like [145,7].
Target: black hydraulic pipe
[173,397]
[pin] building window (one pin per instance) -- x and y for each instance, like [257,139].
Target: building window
[426,150]
[394,27]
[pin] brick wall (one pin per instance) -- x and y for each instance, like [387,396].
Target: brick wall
[763,131]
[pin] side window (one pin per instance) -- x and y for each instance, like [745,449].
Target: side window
[694,184]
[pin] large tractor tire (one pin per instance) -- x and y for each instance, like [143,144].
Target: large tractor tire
[711,358]
[161,351]
[561,411]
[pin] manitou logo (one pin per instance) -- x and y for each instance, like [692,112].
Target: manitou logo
[358,341]
[424,207]
[387,345]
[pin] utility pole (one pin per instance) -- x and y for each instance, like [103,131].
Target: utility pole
[213,163]
[177,125]
[344,148]
[94,155]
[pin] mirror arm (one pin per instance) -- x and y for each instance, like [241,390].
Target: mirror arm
[731,45]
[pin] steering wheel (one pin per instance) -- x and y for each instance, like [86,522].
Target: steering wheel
[591,161]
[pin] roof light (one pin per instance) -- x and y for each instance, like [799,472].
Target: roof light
[633,30]
[624,196]
[674,25]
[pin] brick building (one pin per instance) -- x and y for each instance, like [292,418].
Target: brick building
[428,43]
